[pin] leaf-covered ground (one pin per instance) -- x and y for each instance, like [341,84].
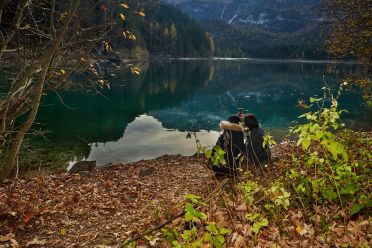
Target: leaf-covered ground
[323,225]
[100,207]
[103,208]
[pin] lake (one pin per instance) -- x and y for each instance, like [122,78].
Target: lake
[149,115]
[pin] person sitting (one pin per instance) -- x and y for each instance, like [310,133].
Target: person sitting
[231,141]
[255,152]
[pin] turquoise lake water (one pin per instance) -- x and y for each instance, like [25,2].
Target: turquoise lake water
[150,115]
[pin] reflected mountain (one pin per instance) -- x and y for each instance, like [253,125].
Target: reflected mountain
[181,96]
[103,117]
[146,138]
[83,119]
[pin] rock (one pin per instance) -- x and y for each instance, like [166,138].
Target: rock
[147,171]
[82,166]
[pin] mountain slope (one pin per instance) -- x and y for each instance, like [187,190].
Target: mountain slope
[280,29]
[253,42]
[271,15]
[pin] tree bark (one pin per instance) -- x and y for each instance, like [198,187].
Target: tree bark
[9,160]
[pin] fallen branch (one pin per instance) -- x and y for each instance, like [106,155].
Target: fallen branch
[214,194]
[229,212]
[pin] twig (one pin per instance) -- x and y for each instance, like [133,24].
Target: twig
[61,100]
[299,197]
[17,168]
[218,191]
[230,215]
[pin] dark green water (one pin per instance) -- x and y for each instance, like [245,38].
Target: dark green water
[149,115]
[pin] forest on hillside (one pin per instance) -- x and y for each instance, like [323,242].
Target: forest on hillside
[163,32]
[253,42]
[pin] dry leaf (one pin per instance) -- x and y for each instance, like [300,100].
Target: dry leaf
[309,230]
[295,218]
[247,231]
[291,231]
[63,231]
[122,16]
[234,237]
[153,242]
[36,241]
[242,207]
[141,13]
[220,219]
[300,230]
[14,243]
[240,242]
[28,217]
[7,237]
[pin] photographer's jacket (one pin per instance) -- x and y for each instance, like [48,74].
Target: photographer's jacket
[232,142]
[255,152]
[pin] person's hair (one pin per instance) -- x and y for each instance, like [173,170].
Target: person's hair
[250,121]
[234,119]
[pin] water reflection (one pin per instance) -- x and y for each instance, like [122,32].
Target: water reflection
[271,91]
[146,138]
[180,96]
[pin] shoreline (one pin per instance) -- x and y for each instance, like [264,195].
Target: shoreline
[252,60]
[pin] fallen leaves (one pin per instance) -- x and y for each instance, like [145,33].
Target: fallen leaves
[104,207]
[63,232]
[238,241]
[28,217]
[6,237]
[36,241]
[111,204]
[242,207]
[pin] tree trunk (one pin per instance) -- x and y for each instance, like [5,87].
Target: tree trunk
[9,160]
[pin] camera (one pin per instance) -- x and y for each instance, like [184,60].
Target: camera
[240,113]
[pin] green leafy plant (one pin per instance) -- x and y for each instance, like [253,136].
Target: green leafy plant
[215,235]
[216,155]
[278,199]
[171,236]
[257,221]
[192,215]
[268,141]
[195,199]
[197,224]
[326,170]
[249,189]
[129,245]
